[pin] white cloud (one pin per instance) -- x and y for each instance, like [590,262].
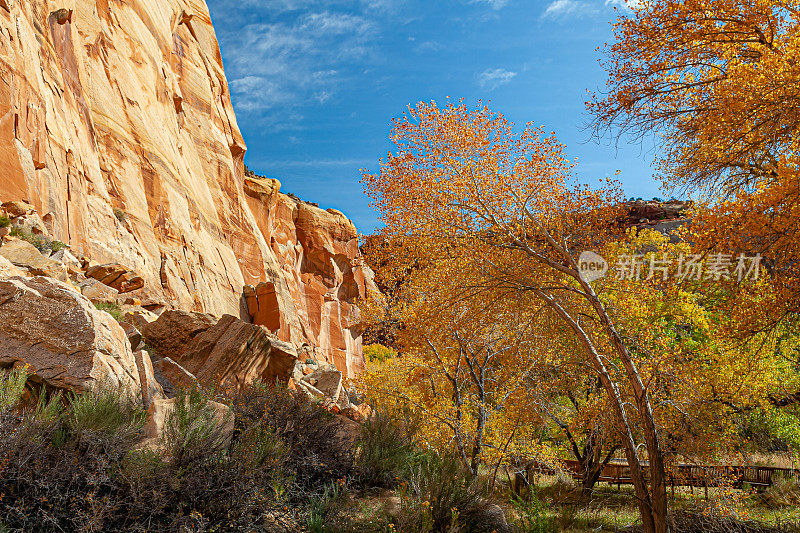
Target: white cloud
[625,4]
[494,4]
[559,9]
[492,78]
[290,63]
[428,46]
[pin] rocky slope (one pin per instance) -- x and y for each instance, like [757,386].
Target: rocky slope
[116,125]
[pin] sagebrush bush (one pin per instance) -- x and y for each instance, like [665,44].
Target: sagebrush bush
[318,452]
[443,496]
[108,410]
[112,309]
[531,515]
[75,464]
[44,244]
[192,432]
[386,449]
[695,521]
[784,492]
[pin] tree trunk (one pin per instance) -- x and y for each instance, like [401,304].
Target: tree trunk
[658,478]
[649,513]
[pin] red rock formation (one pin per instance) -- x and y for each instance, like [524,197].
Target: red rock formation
[116,125]
[311,293]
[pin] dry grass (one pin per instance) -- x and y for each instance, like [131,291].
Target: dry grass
[613,509]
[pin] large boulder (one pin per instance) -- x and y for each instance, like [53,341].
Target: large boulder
[172,332]
[117,276]
[327,380]
[138,316]
[8,269]
[65,341]
[18,208]
[151,388]
[25,256]
[98,292]
[234,352]
[173,376]
[160,418]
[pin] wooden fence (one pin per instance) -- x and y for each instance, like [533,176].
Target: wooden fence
[689,475]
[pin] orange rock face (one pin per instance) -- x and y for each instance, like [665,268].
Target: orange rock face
[311,292]
[116,126]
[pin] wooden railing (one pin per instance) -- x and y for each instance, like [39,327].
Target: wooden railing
[689,475]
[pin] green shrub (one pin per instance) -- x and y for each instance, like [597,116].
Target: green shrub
[192,431]
[109,411]
[378,353]
[112,309]
[120,215]
[385,449]
[75,464]
[532,516]
[324,508]
[694,521]
[12,387]
[782,493]
[4,221]
[442,496]
[44,244]
[318,452]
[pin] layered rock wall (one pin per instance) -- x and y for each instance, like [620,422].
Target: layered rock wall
[116,125]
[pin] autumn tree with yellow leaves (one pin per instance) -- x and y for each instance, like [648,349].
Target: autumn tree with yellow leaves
[491,224]
[462,179]
[716,84]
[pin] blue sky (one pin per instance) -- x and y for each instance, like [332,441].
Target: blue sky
[315,83]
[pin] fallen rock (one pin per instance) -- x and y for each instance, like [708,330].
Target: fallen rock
[72,263]
[18,208]
[311,391]
[98,292]
[327,381]
[65,340]
[172,332]
[25,256]
[138,316]
[134,336]
[234,352]
[31,224]
[151,388]
[172,376]
[8,270]
[159,419]
[118,276]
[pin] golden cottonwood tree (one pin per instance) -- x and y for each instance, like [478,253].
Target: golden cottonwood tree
[490,224]
[466,366]
[463,179]
[717,83]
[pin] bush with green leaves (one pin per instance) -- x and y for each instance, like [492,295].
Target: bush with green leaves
[378,353]
[318,452]
[443,496]
[112,309]
[386,449]
[12,387]
[531,515]
[42,243]
[74,463]
[4,221]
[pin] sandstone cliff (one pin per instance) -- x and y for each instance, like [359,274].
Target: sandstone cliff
[116,125]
